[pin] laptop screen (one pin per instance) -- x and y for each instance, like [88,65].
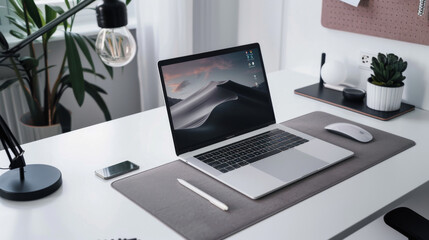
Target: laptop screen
[214,96]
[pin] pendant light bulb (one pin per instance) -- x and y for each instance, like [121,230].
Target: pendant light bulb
[115,44]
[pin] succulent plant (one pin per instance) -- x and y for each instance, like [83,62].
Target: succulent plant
[388,70]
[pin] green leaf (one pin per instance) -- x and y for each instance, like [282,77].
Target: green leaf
[17,9]
[128,2]
[391,58]
[87,70]
[10,66]
[382,68]
[19,24]
[42,17]
[57,9]
[396,77]
[92,44]
[75,69]
[96,88]
[95,73]
[109,70]
[66,25]
[7,83]
[65,83]
[28,62]
[84,48]
[404,66]
[43,69]
[17,34]
[377,71]
[64,118]
[67,4]
[92,91]
[33,11]
[382,58]
[375,63]
[60,11]
[50,14]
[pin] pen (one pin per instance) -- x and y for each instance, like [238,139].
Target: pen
[209,198]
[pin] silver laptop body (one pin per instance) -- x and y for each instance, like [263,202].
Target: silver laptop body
[223,123]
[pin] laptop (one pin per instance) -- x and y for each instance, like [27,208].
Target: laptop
[222,121]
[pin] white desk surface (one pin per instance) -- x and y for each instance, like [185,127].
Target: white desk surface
[86,207]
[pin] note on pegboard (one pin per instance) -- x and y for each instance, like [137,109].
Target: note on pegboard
[393,19]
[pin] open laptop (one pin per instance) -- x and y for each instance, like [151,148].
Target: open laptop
[223,123]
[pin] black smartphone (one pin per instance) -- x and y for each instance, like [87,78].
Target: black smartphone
[116,170]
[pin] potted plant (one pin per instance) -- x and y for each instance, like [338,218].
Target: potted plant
[385,86]
[42,89]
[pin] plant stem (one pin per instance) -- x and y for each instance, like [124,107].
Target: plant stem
[56,84]
[47,86]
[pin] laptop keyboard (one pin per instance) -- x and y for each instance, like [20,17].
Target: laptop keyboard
[250,150]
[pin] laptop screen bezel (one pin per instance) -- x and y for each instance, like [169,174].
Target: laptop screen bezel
[167,62]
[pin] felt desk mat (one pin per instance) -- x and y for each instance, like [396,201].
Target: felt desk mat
[158,192]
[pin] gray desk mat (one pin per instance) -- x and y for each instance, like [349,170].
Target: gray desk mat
[158,192]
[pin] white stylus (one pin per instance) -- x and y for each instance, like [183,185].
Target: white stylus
[211,199]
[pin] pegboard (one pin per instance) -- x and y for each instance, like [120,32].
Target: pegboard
[393,19]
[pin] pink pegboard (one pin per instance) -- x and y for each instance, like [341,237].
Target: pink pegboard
[394,19]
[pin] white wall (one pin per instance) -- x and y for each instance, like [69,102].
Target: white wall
[227,23]
[262,22]
[305,39]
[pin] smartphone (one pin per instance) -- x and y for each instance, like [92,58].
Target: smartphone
[116,170]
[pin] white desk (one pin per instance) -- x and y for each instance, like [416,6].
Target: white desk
[87,207]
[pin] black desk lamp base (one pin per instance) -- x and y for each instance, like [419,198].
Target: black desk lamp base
[39,181]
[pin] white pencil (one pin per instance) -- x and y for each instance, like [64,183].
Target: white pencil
[211,199]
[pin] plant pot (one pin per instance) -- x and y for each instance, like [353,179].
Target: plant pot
[30,133]
[383,98]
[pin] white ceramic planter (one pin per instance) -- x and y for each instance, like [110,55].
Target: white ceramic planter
[383,98]
[30,133]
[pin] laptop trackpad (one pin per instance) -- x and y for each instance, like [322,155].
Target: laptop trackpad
[289,165]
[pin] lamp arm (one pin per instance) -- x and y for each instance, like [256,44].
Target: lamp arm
[46,28]
[10,143]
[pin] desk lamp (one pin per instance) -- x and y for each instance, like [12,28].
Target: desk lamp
[25,182]
[116,48]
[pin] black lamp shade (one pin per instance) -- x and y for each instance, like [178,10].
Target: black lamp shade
[111,14]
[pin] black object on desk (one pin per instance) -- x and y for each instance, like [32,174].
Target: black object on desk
[25,182]
[354,94]
[409,223]
[333,97]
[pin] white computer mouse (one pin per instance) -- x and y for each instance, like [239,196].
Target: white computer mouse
[350,131]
